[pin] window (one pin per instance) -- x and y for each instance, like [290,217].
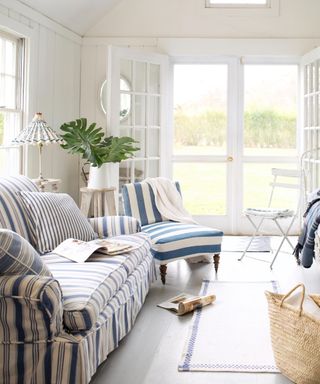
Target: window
[11,60]
[238,3]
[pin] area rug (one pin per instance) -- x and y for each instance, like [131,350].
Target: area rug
[239,244]
[232,334]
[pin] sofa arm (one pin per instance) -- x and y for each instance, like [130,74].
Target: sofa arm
[109,226]
[30,309]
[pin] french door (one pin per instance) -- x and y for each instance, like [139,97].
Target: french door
[233,121]
[138,108]
[205,107]
[310,73]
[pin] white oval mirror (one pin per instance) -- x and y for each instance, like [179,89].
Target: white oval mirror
[125,98]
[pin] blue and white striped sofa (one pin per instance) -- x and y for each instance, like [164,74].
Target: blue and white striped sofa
[60,329]
[171,240]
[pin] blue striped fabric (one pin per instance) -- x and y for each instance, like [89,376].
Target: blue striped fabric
[139,202]
[18,257]
[54,217]
[106,293]
[109,226]
[59,357]
[87,287]
[171,240]
[12,215]
[31,310]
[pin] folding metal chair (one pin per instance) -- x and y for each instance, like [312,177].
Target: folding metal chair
[257,216]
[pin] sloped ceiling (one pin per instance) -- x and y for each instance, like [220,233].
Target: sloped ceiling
[76,15]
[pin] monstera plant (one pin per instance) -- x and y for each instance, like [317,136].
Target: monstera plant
[91,143]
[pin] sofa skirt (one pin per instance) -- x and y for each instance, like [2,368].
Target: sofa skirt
[74,358]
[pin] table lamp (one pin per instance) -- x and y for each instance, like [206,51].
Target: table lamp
[38,133]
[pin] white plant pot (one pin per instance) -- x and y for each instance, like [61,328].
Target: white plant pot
[103,177]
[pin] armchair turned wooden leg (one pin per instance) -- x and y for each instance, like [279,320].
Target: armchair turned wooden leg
[163,272]
[216,259]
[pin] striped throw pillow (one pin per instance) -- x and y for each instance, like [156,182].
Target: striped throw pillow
[53,218]
[18,257]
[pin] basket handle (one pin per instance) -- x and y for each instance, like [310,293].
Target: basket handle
[302,296]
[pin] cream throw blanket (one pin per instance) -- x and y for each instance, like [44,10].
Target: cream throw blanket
[169,203]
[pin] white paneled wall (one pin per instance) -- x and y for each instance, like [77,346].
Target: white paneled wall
[54,85]
[93,73]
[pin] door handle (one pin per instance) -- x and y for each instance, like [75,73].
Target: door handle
[229,159]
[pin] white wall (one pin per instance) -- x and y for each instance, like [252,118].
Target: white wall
[189,18]
[54,85]
[186,28]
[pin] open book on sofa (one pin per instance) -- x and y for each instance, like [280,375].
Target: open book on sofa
[80,251]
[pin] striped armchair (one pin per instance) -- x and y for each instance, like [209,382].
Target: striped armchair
[171,241]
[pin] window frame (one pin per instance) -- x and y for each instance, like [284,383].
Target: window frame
[20,73]
[238,10]
[221,4]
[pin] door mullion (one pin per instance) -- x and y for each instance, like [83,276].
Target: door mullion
[235,140]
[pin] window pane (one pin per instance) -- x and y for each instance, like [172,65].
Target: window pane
[153,142]
[10,58]
[140,77]
[140,137]
[126,72]
[154,111]
[270,115]
[7,92]
[200,193]
[10,121]
[9,161]
[154,79]
[238,2]
[257,189]
[140,110]
[200,109]
[154,168]
[139,170]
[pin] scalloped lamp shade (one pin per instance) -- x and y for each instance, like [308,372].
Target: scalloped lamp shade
[38,133]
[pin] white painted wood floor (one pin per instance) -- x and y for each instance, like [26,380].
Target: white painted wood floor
[150,353]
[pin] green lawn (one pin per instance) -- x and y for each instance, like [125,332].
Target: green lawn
[204,187]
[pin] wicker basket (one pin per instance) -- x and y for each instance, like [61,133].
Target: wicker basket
[295,338]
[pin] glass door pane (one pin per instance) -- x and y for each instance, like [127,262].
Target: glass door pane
[270,110]
[200,109]
[269,135]
[136,108]
[200,129]
[256,184]
[199,187]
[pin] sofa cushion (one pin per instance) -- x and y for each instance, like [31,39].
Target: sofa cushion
[172,240]
[54,217]
[12,216]
[18,257]
[87,287]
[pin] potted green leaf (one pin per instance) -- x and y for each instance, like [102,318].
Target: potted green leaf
[100,151]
